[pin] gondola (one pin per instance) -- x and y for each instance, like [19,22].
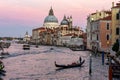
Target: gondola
[70,65]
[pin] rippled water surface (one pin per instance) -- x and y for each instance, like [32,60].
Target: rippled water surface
[38,63]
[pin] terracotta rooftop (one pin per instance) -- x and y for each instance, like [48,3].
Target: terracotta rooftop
[117,5]
[106,18]
[107,12]
[41,28]
[93,13]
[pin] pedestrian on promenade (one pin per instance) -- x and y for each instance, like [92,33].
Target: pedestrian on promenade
[80,59]
[96,51]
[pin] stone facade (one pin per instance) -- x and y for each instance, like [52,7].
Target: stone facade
[115,22]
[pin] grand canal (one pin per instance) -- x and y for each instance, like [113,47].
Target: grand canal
[38,63]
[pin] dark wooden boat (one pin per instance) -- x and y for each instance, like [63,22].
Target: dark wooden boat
[36,46]
[26,47]
[70,65]
[77,49]
[51,48]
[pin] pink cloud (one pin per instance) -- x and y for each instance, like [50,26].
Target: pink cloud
[30,11]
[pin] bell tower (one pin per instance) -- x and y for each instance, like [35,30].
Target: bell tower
[70,21]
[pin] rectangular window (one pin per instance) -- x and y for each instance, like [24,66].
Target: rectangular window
[117,31]
[117,16]
[97,37]
[100,14]
[91,37]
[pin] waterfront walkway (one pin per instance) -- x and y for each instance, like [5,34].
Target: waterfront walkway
[98,71]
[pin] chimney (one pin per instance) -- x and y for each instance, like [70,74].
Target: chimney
[112,4]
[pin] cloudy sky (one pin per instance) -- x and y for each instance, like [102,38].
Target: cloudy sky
[19,16]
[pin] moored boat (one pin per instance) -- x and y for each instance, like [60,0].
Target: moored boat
[77,48]
[26,47]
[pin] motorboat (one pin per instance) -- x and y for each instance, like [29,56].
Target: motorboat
[26,47]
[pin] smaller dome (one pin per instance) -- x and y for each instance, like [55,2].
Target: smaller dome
[64,21]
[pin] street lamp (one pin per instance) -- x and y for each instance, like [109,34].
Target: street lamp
[90,66]
[119,37]
[110,69]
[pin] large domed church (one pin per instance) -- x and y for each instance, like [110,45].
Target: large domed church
[51,21]
[53,33]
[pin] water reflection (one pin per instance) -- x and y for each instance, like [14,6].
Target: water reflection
[38,63]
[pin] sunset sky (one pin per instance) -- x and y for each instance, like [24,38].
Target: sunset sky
[19,16]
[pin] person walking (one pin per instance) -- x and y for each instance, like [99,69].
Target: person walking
[80,59]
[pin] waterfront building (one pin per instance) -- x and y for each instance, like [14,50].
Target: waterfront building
[27,37]
[101,34]
[110,19]
[71,40]
[36,34]
[115,22]
[105,33]
[96,26]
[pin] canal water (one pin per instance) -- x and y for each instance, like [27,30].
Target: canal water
[38,63]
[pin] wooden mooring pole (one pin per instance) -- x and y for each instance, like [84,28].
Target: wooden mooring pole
[110,72]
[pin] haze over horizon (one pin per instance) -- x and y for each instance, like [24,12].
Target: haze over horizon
[19,16]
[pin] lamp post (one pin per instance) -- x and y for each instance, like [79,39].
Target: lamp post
[119,37]
[110,69]
[90,65]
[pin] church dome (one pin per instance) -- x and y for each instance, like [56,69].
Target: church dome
[64,21]
[51,17]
